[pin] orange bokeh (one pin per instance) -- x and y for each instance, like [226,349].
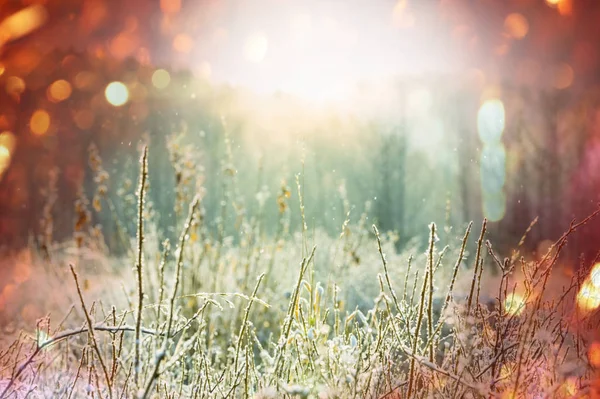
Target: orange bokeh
[22,23]
[170,6]
[15,85]
[594,354]
[563,76]
[59,91]
[516,26]
[39,122]
[183,43]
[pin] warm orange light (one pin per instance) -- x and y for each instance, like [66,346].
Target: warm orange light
[39,122]
[563,76]
[8,141]
[116,93]
[569,387]
[594,354]
[22,23]
[170,6]
[565,7]
[59,91]
[123,45]
[183,43]
[553,2]
[508,395]
[15,85]
[516,26]
[4,159]
[506,370]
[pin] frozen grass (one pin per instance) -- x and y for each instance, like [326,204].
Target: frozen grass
[302,315]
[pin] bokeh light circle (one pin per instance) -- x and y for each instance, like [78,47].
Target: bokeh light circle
[59,91]
[116,94]
[161,79]
[39,122]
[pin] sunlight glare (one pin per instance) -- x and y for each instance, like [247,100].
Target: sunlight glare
[514,304]
[256,47]
[588,297]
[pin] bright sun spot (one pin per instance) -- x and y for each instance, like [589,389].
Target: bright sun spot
[256,47]
[588,297]
[116,93]
[514,304]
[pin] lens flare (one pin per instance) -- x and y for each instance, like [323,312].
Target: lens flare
[493,168]
[491,121]
[116,94]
